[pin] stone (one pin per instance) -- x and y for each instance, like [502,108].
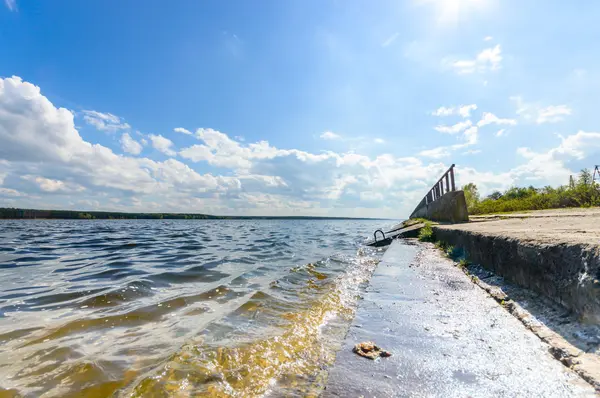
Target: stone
[370,350]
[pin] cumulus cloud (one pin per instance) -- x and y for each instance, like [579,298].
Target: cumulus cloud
[487,60]
[436,153]
[552,166]
[328,135]
[379,141]
[462,110]
[37,136]
[45,158]
[105,121]
[130,145]
[541,114]
[443,111]
[182,131]
[50,185]
[10,192]
[457,128]
[490,118]
[471,135]
[162,144]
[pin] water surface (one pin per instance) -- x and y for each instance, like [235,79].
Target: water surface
[176,308]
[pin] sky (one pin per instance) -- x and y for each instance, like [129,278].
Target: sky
[317,107]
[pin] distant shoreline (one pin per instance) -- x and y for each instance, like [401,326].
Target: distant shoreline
[36,214]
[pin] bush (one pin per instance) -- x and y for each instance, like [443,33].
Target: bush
[426,234]
[582,193]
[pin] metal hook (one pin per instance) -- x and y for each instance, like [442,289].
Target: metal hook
[375,235]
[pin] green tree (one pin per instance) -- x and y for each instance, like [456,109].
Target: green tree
[495,195]
[471,195]
[585,178]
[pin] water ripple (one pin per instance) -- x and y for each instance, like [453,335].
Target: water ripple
[220,308]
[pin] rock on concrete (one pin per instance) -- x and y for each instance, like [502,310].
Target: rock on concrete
[450,207]
[556,254]
[447,337]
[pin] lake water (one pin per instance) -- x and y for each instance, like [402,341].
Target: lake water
[176,308]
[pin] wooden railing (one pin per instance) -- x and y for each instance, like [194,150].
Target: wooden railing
[444,185]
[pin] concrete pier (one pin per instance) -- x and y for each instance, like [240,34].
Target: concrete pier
[553,252]
[447,337]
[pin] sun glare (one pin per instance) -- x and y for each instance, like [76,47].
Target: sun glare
[451,12]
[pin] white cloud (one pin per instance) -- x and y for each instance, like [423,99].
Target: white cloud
[490,118]
[10,192]
[500,132]
[436,153]
[379,141]
[462,110]
[472,152]
[465,110]
[487,60]
[130,145]
[553,114]
[40,142]
[50,185]
[11,4]
[551,167]
[443,111]
[390,40]
[38,137]
[471,135]
[328,135]
[457,128]
[182,131]
[488,38]
[486,181]
[162,144]
[105,121]
[541,114]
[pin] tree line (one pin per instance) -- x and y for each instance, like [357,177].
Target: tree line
[16,213]
[91,215]
[580,192]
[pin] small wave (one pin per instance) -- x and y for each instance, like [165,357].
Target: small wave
[192,308]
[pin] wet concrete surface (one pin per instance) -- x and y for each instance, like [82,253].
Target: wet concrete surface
[447,337]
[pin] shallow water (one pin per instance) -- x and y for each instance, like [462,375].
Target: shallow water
[181,308]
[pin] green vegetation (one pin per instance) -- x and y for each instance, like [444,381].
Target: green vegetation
[426,233]
[471,195]
[583,192]
[414,221]
[450,251]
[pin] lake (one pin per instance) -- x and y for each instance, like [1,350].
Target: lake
[176,308]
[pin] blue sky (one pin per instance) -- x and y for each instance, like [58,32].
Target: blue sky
[342,108]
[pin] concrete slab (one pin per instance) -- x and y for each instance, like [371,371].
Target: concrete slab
[448,339]
[555,226]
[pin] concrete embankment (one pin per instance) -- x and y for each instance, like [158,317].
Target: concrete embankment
[448,338]
[450,207]
[554,253]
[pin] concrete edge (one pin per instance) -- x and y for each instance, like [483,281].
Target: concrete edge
[586,365]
